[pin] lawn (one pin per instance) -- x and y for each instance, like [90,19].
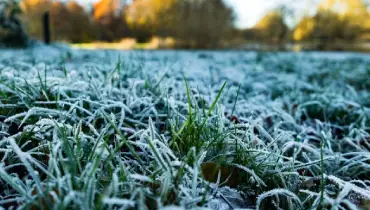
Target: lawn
[99,129]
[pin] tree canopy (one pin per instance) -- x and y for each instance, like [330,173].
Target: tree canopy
[335,19]
[272,27]
[194,23]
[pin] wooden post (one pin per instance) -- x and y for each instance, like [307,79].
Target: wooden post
[46,27]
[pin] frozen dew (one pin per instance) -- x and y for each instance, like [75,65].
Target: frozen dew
[154,130]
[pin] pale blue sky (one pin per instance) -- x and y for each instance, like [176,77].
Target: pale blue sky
[248,12]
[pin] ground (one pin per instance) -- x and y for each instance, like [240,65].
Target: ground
[99,129]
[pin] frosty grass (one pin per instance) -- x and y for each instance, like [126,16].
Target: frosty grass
[183,130]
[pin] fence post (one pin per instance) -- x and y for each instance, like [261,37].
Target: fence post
[46,27]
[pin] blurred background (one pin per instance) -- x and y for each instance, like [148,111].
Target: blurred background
[191,24]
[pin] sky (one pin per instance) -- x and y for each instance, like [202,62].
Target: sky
[248,12]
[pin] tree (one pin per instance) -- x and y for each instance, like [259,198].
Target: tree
[351,13]
[11,29]
[60,24]
[304,30]
[32,16]
[192,23]
[271,28]
[344,7]
[201,24]
[146,18]
[109,16]
[69,22]
[335,19]
[81,28]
